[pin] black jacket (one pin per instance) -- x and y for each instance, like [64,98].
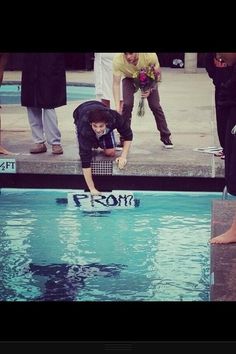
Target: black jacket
[218,74]
[227,94]
[43,83]
[85,134]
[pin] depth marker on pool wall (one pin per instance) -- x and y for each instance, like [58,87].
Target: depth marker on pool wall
[7,165]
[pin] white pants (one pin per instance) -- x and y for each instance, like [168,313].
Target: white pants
[44,125]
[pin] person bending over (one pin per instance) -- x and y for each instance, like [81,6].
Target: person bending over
[94,127]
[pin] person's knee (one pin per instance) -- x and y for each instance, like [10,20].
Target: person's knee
[154,106]
[127,108]
[110,152]
[157,111]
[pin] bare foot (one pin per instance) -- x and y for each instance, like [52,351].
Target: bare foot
[5,152]
[227,237]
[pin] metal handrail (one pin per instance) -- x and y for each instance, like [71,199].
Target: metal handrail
[225,193]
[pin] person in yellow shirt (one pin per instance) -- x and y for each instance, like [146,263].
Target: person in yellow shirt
[126,65]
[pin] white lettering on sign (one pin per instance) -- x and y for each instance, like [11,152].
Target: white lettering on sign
[7,166]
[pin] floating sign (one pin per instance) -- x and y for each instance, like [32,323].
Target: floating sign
[7,166]
[103,202]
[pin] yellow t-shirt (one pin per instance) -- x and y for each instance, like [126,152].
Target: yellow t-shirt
[122,68]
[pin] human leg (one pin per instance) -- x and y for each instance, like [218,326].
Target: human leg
[36,125]
[4,151]
[222,114]
[50,124]
[230,152]
[128,98]
[52,132]
[109,152]
[108,144]
[227,237]
[127,103]
[106,102]
[154,104]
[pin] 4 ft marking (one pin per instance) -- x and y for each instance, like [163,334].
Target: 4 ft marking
[7,166]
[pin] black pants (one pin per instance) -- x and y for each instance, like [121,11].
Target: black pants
[153,102]
[222,115]
[230,152]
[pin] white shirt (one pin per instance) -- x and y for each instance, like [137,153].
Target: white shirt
[104,76]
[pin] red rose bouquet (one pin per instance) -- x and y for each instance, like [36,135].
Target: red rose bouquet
[145,79]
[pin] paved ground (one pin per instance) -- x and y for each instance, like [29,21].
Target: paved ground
[188,102]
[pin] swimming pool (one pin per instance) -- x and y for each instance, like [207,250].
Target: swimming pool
[125,246]
[10,94]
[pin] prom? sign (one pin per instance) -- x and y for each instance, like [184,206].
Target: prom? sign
[105,201]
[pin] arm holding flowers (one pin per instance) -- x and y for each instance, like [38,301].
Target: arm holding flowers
[154,62]
[145,94]
[146,80]
[153,72]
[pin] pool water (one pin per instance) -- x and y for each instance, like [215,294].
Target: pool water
[127,246]
[10,94]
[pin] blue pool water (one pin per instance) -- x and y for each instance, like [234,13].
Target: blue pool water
[10,94]
[127,246]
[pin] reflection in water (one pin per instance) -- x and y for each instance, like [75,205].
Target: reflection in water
[56,251]
[64,281]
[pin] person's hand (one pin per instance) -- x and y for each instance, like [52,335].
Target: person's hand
[94,191]
[121,161]
[146,93]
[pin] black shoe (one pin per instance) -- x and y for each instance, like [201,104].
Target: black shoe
[38,148]
[119,147]
[167,143]
[120,144]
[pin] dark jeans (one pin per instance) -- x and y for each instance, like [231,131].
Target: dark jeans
[153,102]
[222,114]
[230,151]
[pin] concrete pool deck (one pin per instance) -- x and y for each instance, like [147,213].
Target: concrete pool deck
[188,102]
[223,257]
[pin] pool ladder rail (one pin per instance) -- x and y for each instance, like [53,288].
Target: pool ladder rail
[225,193]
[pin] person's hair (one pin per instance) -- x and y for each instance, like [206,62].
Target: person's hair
[97,116]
